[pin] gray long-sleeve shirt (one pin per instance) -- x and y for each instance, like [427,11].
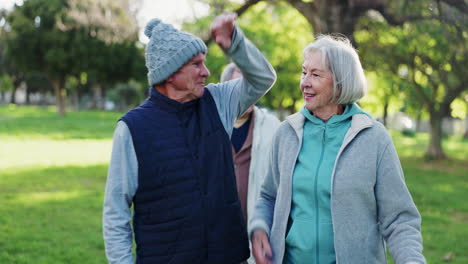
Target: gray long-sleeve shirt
[232,98]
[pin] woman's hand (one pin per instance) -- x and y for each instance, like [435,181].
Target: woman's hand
[261,247]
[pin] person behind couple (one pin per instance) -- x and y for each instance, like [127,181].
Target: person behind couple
[171,158]
[251,139]
[334,191]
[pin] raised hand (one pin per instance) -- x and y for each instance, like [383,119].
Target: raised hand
[222,28]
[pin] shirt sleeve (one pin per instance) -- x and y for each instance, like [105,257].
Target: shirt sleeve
[121,186]
[234,97]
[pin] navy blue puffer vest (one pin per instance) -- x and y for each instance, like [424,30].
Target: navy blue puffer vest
[186,205]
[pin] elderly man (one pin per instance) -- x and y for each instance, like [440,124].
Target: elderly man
[171,157]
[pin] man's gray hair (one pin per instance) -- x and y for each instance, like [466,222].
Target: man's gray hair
[349,81]
[229,72]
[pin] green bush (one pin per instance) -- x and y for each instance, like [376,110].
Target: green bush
[408,132]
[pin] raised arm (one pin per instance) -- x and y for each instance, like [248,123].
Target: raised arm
[234,97]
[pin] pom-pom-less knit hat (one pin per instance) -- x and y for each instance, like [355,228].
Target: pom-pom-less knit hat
[168,50]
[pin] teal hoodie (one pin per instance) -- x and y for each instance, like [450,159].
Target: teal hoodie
[309,237]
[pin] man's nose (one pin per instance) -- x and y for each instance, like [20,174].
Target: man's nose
[205,72]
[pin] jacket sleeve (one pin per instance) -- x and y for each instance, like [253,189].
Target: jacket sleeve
[120,188]
[398,216]
[234,97]
[264,207]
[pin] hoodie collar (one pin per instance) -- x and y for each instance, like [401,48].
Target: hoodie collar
[349,111]
[360,120]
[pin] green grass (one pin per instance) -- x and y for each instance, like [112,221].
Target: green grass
[52,215]
[43,122]
[52,177]
[440,190]
[53,173]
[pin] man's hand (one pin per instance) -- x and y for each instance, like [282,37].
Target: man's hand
[222,28]
[261,247]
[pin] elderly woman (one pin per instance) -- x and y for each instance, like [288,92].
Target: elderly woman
[334,191]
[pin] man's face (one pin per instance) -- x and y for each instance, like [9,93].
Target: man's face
[188,82]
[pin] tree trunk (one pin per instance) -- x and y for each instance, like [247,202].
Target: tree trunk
[28,94]
[466,127]
[385,111]
[13,95]
[59,95]
[434,151]
[76,100]
[17,80]
[102,106]
[97,97]
[418,122]
[332,16]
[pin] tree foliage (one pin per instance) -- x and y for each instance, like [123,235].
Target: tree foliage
[65,38]
[426,58]
[416,49]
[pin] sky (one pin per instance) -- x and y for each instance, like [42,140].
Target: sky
[173,11]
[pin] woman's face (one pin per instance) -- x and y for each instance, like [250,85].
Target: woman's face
[316,83]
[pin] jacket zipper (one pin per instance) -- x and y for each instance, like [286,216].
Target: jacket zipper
[317,249]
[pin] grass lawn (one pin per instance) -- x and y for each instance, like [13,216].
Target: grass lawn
[53,172]
[52,177]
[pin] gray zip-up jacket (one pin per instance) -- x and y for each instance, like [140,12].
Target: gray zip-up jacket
[370,202]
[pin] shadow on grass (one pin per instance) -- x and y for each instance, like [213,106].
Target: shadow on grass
[52,215]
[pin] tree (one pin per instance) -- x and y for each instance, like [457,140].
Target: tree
[64,38]
[15,75]
[411,17]
[428,57]
[342,16]
[127,95]
[383,97]
[36,82]
[109,47]
[6,84]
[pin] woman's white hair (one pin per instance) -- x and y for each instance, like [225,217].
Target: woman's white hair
[349,81]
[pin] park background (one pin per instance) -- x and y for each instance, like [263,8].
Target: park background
[70,68]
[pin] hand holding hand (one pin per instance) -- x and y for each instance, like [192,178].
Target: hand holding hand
[222,28]
[261,247]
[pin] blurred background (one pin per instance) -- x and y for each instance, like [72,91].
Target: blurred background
[70,68]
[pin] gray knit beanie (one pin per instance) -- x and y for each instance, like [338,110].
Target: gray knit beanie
[168,50]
